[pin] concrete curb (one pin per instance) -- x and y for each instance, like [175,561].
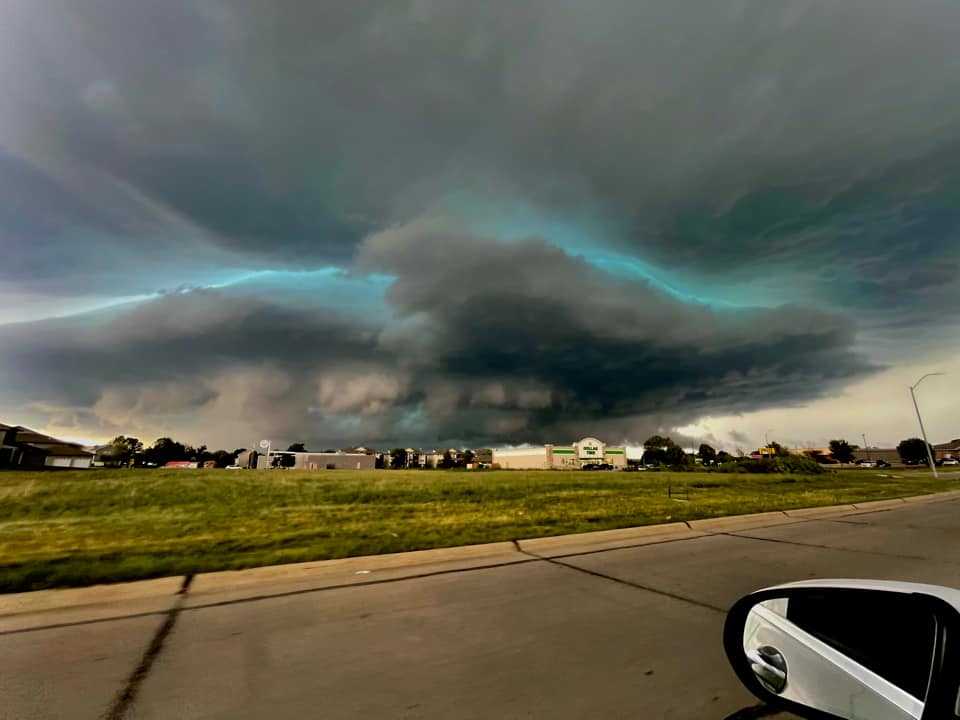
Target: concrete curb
[559,545]
[230,585]
[741,522]
[71,605]
[816,513]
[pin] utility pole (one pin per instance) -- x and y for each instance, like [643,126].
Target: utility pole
[926,444]
[865,446]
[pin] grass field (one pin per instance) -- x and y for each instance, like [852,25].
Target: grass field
[85,527]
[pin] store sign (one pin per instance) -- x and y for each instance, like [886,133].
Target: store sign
[590,449]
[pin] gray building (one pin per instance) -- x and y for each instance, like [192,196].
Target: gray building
[317,460]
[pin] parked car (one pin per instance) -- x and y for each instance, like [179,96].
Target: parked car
[950,461]
[867,463]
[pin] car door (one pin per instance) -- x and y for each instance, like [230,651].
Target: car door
[839,656]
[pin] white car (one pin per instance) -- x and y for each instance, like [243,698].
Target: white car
[950,461]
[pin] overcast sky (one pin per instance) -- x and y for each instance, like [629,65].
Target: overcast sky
[438,222]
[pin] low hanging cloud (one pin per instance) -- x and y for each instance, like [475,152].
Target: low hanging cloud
[498,342]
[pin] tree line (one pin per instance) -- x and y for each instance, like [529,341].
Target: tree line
[123,450]
[661,450]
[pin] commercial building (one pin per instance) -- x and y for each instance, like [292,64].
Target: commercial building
[947,450]
[25,449]
[317,460]
[588,451]
[888,455]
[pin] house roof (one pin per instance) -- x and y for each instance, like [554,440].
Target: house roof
[58,449]
[27,438]
[951,445]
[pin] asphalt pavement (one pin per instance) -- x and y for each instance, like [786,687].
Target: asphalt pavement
[618,624]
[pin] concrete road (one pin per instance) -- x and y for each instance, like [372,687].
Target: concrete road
[619,624]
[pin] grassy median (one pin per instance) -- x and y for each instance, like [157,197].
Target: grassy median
[85,527]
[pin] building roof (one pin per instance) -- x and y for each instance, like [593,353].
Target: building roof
[58,449]
[951,445]
[25,437]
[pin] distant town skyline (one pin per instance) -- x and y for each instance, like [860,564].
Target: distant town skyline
[415,223]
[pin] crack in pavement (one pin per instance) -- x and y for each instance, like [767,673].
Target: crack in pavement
[128,693]
[621,581]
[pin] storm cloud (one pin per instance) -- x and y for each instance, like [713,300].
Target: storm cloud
[422,220]
[498,341]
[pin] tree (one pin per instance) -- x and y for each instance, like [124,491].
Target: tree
[653,456]
[723,456]
[121,450]
[707,455]
[223,458]
[468,457]
[913,451]
[165,450]
[675,456]
[657,442]
[842,451]
[398,458]
[446,462]
[779,450]
[655,450]
[297,447]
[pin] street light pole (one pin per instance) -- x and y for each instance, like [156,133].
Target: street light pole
[865,446]
[926,445]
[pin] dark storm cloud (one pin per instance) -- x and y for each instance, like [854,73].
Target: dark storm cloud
[600,348]
[714,138]
[184,335]
[499,342]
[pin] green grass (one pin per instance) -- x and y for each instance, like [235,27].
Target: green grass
[85,527]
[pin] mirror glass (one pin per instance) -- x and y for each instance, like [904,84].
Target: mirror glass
[854,654]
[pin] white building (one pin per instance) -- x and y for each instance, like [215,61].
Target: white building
[588,451]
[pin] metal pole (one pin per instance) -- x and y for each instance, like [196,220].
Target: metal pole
[865,446]
[933,466]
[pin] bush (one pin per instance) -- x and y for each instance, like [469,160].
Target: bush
[799,464]
[796,464]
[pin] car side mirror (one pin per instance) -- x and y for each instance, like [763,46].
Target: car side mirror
[850,649]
